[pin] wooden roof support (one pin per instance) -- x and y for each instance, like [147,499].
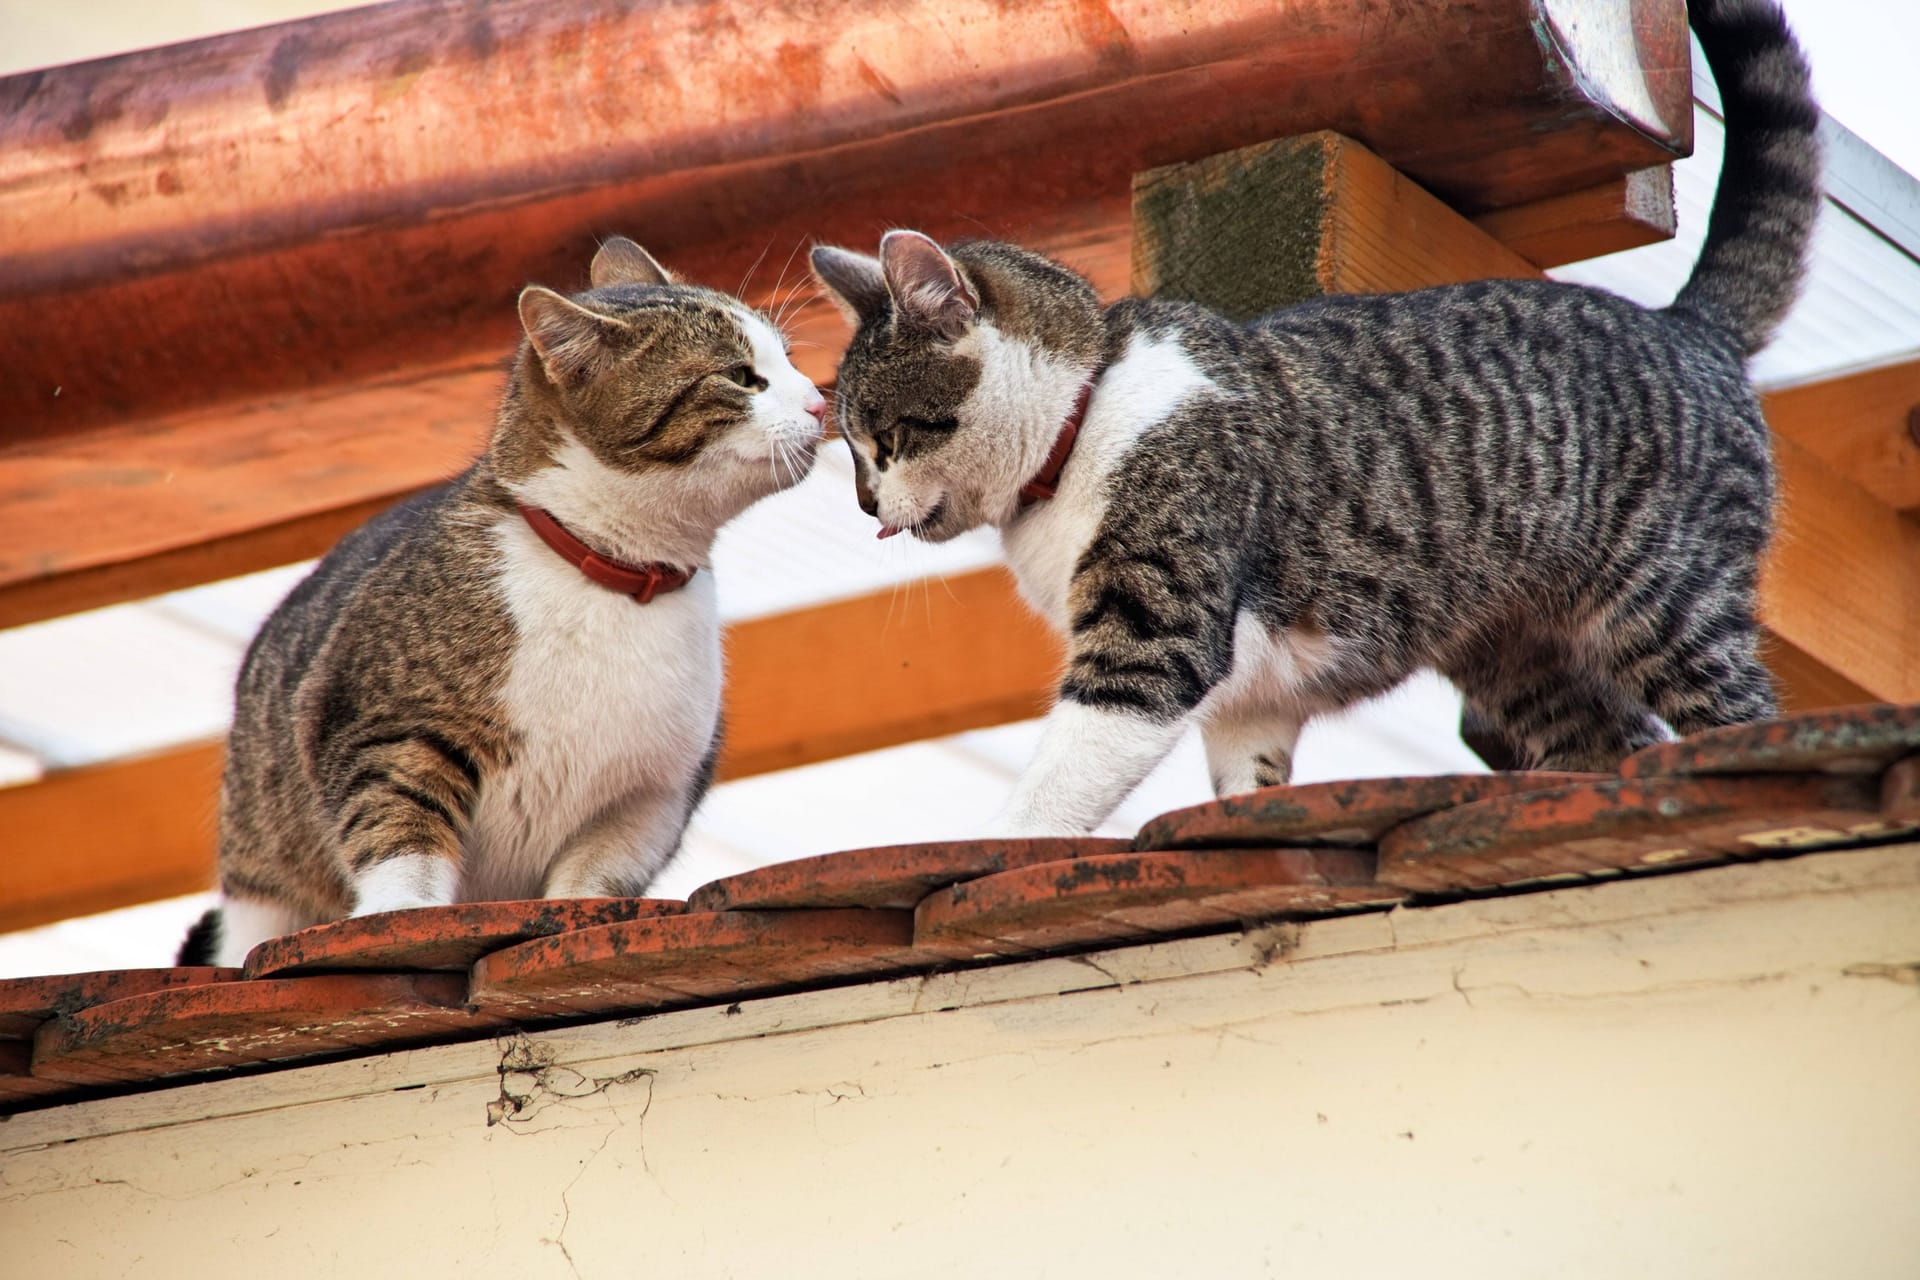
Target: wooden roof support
[1627,212]
[1841,600]
[342,197]
[1865,426]
[881,670]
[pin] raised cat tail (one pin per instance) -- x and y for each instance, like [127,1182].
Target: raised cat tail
[1755,255]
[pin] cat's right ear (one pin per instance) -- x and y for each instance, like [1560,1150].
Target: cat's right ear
[621,261]
[853,282]
[572,342]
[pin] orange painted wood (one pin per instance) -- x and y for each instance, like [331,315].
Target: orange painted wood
[1127,897]
[25,1003]
[1858,740]
[1351,813]
[691,959]
[109,835]
[304,204]
[876,675]
[439,939]
[235,1024]
[1842,583]
[891,876]
[1599,828]
[1861,426]
[117,514]
[1626,212]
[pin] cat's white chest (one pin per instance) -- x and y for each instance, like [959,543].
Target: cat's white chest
[1153,378]
[606,698]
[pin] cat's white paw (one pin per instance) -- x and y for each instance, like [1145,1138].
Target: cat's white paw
[404,882]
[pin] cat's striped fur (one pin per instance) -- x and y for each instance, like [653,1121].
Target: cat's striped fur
[1554,496]
[446,709]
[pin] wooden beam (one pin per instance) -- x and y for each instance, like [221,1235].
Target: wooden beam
[102,517]
[1865,426]
[856,675]
[1841,600]
[1842,585]
[109,836]
[303,205]
[1626,212]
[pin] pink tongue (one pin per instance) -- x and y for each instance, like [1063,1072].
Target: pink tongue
[886,531]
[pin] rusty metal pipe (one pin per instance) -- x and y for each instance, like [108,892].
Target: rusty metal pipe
[297,205]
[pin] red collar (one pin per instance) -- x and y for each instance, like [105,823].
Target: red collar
[1046,482]
[641,581]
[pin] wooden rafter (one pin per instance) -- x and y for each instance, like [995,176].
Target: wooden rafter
[1864,425]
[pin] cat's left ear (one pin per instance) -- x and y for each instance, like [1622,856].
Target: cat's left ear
[927,287]
[851,281]
[621,261]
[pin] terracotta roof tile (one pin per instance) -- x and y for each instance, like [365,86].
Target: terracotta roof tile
[17,1081]
[25,1003]
[196,1029]
[896,876]
[1829,780]
[1123,897]
[1624,824]
[447,939]
[686,959]
[1848,740]
[1351,813]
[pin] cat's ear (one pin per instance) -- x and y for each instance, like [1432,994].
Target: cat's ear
[927,287]
[621,261]
[852,281]
[572,342]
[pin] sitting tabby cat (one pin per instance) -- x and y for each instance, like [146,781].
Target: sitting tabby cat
[509,687]
[1553,496]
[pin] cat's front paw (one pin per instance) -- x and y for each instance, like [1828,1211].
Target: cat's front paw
[405,882]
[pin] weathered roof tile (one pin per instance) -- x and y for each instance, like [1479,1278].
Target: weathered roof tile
[446,939]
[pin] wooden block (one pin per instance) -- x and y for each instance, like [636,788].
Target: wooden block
[1277,223]
[1862,425]
[1352,813]
[692,959]
[1627,212]
[1125,897]
[1853,740]
[1842,582]
[1600,828]
[234,1024]
[440,939]
[891,876]
[26,1003]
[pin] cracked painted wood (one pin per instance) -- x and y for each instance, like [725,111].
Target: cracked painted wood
[1384,1053]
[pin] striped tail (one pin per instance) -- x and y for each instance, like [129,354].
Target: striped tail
[1755,255]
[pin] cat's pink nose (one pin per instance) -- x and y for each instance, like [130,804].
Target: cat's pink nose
[816,404]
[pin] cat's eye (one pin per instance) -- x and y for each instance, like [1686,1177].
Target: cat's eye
[743,375]
[929,424]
